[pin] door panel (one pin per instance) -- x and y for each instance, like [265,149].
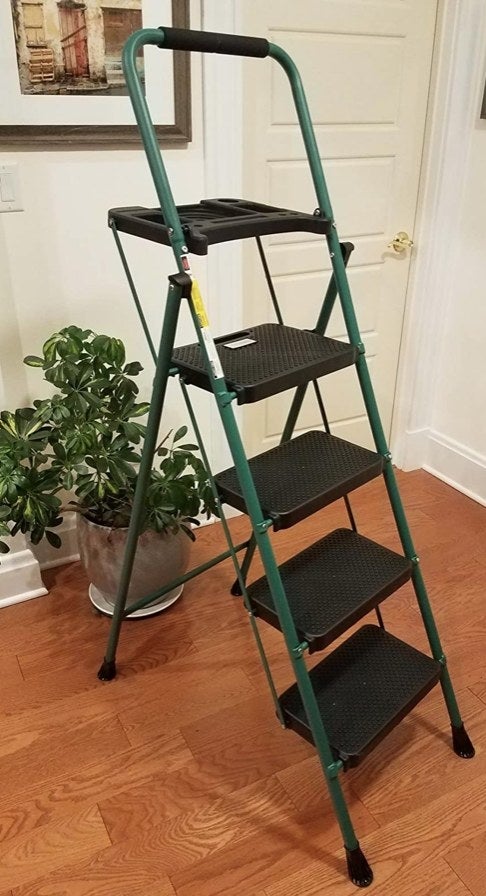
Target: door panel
[74,42]
[366,71]
[367,101]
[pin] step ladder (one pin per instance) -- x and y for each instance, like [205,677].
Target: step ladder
[351,699]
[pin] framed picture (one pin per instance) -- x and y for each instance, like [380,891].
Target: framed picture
[62,80]
[483,107]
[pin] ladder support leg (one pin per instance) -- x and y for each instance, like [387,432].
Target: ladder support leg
[236,589]
[107,670]
[459,734]
[461,743]
[359,870]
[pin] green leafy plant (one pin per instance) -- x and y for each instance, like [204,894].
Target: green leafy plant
[87,439]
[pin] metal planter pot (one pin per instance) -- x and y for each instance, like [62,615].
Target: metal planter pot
[161,557]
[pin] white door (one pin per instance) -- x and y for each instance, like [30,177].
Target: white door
[366,71]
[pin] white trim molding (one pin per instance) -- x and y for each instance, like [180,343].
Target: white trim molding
[20,577]
[20,570]
[458,66]
[457,465]
[411,450]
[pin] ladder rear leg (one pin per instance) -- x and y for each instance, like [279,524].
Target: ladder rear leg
[107,669]
[359,869]
[461,742]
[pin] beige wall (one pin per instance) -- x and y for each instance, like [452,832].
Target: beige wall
[460,408]
[58,260]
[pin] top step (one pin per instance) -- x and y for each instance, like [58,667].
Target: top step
[217,221]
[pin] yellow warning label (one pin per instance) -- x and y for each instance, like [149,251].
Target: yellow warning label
[198,304]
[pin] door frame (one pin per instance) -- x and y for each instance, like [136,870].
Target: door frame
[454,103]
[451,108]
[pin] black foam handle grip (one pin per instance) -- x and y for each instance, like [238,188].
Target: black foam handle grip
[213,42]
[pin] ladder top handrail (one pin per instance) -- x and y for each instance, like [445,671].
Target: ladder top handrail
[213,42]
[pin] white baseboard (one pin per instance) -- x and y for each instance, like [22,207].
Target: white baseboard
[410,451]
[19,578]
[449,460]
[457,465]
[20,570]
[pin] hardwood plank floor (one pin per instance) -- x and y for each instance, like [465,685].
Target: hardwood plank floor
[177,780]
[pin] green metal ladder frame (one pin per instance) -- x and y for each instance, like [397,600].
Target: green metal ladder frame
[182,286]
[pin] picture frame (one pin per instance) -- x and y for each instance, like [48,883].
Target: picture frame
[483,105]
[173,130]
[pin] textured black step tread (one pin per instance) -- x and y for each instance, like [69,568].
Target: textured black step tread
[363,689]
[301,476]
[216,221]
[332,584]
[278,358]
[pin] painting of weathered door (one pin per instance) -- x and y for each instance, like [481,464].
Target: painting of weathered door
[74,42]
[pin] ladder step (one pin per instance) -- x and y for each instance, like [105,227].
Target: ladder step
[332,584]
[363,689]
[301,476]
[274,359]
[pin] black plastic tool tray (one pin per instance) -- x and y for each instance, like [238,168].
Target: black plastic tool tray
[332,584]
[216,221]
[363,689]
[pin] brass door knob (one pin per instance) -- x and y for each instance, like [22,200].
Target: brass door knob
[400,242]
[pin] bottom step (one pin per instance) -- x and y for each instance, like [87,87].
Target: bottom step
[363,689]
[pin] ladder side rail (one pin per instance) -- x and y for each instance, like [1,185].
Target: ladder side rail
[139,39]
[339,269]
[268,278]
[171,316]
[172,38]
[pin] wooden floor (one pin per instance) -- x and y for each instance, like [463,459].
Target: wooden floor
[176,777]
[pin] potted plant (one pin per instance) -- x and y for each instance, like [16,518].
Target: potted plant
[86,439]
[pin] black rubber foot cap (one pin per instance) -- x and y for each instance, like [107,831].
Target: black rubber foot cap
[107,670]
[359,871]
[236,589]
[462,743]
